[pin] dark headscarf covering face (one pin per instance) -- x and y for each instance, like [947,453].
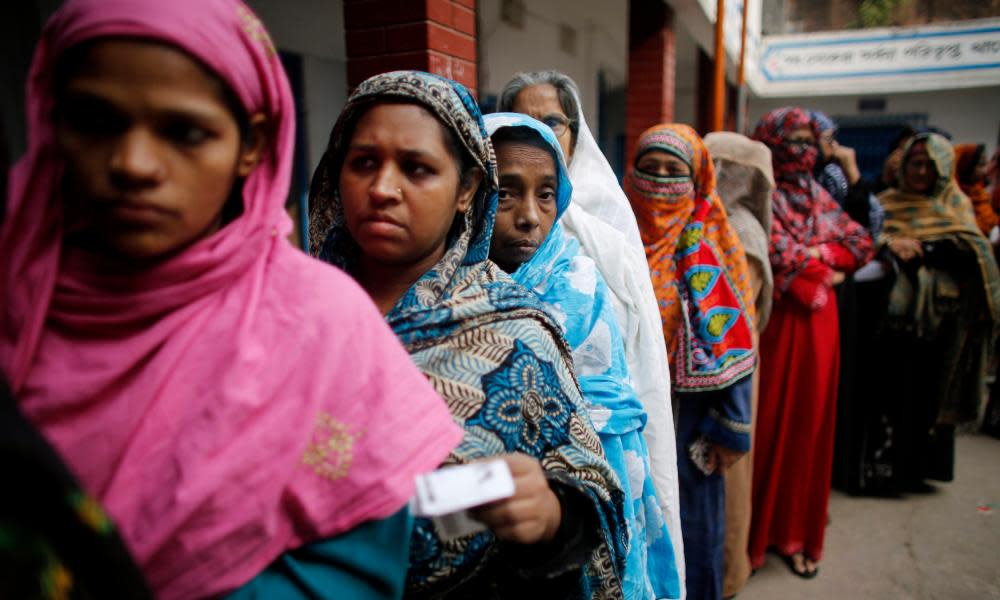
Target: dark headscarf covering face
[486,345]
[967,157]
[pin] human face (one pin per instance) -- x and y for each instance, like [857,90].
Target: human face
[152,150]
[400,186]
[826,141]
[541,102]
[982,168]
[919,172]
[527,208]
[662,164]
[802,136]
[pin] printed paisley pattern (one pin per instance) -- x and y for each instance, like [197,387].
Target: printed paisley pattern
[485,344]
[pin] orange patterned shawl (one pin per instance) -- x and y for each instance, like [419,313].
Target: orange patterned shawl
[685,232]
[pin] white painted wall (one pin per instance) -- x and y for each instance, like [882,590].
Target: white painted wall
[970,115]
[325,82]
[602,43]
[697,17]
[314,29]
[686,77]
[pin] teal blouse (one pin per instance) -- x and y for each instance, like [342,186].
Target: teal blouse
[368,562]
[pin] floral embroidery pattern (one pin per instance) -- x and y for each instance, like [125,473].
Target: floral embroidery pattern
[255,29]
[331,450]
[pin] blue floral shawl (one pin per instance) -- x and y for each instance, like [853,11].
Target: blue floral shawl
[487,346]
[574,293]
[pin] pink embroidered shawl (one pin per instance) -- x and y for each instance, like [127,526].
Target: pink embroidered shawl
[230,403]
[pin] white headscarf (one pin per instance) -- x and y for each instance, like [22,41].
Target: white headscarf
[596,188]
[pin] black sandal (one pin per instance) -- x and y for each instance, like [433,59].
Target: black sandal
[805,573]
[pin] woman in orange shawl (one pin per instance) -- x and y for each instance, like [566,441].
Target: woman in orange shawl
[970,172]
[703,287]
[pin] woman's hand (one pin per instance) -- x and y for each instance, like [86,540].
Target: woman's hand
[533,514]
[848,161]
[838,277]
[891,167]
[906,248]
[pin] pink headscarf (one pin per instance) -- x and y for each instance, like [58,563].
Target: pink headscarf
[235,401]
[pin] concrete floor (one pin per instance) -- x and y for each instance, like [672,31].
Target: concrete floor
[939,546]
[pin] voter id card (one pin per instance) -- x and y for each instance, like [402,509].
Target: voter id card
[445,495]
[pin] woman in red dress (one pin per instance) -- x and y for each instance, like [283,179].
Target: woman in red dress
[813,245]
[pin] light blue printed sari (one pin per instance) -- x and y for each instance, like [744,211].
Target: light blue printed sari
[574,294]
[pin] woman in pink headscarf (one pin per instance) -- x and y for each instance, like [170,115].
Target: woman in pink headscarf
[231,402]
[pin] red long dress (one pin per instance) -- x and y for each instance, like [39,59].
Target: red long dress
[793,456]
[811,238]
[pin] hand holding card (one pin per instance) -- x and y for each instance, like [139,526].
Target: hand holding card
[532,514]
[509,495]
[446,495]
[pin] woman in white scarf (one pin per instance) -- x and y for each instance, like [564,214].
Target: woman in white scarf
[601,219]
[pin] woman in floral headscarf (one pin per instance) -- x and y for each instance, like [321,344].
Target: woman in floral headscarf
[702,284]
[943,309]
[813,244]
[405,200]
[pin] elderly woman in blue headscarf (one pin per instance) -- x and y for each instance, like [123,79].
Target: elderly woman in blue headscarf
[530,244]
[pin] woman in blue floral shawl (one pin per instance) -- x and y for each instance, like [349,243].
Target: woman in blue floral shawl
[384,186]
[575,295]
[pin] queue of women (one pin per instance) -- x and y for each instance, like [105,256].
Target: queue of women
[195,408]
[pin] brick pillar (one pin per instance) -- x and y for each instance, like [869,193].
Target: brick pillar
[438,36]
[651,66]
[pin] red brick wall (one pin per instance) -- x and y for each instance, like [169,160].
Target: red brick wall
[651,67]
[438,36]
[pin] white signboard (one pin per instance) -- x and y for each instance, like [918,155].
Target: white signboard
[880,60]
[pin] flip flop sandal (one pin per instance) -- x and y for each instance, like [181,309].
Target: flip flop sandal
[790,563]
